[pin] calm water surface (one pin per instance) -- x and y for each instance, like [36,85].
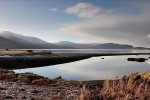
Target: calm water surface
[93,68]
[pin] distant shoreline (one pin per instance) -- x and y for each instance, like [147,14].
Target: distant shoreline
[28,59]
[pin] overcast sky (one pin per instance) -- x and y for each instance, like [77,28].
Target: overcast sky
[86,21]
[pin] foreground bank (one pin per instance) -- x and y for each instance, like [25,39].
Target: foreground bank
[31,86]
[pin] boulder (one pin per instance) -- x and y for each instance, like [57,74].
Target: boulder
[42,82]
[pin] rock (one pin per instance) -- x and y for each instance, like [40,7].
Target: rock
[23,97]
[42,82]
[59,77]
[1,88]
[2,71]
[29,76]
[22,89]
[8,97]
[35,91]
[7,76]
[25,81]
[137,59]
[33,99]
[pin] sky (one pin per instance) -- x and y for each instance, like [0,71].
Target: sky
[81,21]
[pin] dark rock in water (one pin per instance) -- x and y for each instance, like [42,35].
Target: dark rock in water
[102,58]
[137,59]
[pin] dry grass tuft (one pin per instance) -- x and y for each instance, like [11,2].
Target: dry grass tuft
[133,87]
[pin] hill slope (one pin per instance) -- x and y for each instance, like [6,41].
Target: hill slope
[15,41]
[95,45]
[11,40]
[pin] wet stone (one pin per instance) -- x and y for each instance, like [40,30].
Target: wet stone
[23,97]
[1,88]
[22,89]
[8,97]
[35,91]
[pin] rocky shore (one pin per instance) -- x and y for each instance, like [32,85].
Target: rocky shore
[33,87]
[29,86]
[19,91]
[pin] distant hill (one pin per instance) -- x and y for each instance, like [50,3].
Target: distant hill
[9,40]
[95,45]
[112,46]
[75,45]
[141,48]
[6,43]
[21,38]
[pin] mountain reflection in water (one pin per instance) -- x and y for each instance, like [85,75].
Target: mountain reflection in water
[93,68]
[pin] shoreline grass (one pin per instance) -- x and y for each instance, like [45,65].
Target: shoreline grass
[136,86]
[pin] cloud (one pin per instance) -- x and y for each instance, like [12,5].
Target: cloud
[3,30]
[53,9]
[85,10]
[148,36]
[132,28]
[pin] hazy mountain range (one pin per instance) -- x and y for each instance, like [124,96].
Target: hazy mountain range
[9,40]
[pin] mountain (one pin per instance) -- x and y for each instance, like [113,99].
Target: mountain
[21,38]
[95,45]
[11,40]
[76,45]
[112,46]
[6,43]
[142,48]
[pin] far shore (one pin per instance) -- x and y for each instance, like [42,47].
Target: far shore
[20,59]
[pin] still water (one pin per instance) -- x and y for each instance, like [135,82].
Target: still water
[97,50]
[93,68]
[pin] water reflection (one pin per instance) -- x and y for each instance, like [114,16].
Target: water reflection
[98,50]
[93,68]
[148,61]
